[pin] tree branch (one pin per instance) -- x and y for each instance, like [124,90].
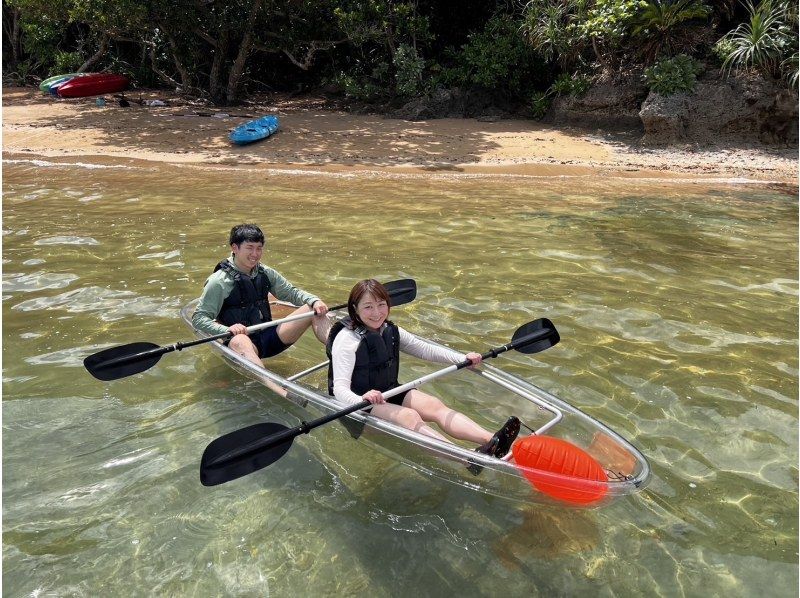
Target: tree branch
[101,51]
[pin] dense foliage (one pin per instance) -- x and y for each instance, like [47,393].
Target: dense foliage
[389,51]
[672,75]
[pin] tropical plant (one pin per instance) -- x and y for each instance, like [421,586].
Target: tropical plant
[408,70]
[548,25]
[498,57]
[608,23]
[539,103]
[669,26]
[570,85]
[672,75]
[790,68]
[765,41]
[66,62]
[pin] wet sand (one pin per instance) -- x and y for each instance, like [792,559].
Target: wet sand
[315,136]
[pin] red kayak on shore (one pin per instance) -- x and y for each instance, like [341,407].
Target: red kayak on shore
[92,85]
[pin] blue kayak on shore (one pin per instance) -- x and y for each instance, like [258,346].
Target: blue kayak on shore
[254,130]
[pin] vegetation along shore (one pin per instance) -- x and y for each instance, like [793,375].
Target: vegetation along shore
[703,87]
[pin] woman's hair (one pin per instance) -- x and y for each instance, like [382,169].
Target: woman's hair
[246,233]
[361,288]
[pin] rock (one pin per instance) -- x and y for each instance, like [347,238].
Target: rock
[746,108]
[664,118]
[440,104]
[455,103]
[604,105]
[781,122]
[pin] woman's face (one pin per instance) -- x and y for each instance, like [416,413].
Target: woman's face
[372,311]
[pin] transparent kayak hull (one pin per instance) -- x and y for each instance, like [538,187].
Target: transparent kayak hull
[627,470]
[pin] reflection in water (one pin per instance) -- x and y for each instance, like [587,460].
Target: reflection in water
[545,534]
[677,308]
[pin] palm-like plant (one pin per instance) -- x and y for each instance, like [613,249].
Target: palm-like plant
[790,67]
[668,26]
[546,24]
[763,40]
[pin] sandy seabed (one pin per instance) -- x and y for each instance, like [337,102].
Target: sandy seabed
[315,137]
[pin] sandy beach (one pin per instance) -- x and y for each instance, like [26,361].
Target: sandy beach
[314,135]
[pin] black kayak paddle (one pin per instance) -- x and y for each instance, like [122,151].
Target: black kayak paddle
[252,448]
[125,360]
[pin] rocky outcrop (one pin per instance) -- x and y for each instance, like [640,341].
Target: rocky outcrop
[455,103]
[607,105]
[752,109]
[747,108]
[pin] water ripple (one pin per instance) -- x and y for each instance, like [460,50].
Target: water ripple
[37,281]
[67,240]
[72,357]
[642,325]
[112,305]
[784,286]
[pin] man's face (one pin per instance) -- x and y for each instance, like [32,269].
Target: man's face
[247,255]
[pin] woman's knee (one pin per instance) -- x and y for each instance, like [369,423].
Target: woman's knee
[409,418]
[432,408]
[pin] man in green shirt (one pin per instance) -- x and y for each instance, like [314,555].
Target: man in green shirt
[235,296]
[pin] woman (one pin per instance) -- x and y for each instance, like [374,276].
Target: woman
[364,352]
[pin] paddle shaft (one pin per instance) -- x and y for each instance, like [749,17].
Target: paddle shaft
[305,427]
[224,335]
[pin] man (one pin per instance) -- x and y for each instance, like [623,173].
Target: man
[235,296]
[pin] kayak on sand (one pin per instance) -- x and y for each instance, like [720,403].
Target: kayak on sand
[93,84]
[254,130]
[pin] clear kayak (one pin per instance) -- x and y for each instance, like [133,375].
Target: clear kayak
[618,468]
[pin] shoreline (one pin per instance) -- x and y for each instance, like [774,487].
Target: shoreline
[314,138]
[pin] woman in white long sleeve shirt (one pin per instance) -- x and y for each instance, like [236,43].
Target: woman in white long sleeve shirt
[364,364]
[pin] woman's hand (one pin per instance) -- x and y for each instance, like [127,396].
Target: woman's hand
[475,358]
[237,329]
[374,396]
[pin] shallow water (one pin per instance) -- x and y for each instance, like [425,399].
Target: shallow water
[677,307]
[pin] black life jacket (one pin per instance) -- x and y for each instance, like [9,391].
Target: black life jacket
[248,302]
[377,357]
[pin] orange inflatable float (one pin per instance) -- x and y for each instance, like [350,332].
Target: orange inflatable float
[560,469]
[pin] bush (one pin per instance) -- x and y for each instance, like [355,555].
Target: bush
[67,62]
[668,27]
[358,87]
[408,66]
[539,103]
[570,85]
[672,75]
[498,57]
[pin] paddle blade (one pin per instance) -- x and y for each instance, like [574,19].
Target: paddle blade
[402,291]
[535,336]
[122,361]
[230,469]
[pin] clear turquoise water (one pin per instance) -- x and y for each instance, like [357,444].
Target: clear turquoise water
[678,311]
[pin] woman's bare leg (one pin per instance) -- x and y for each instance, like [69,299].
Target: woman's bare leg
[408,418]
[452,422]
